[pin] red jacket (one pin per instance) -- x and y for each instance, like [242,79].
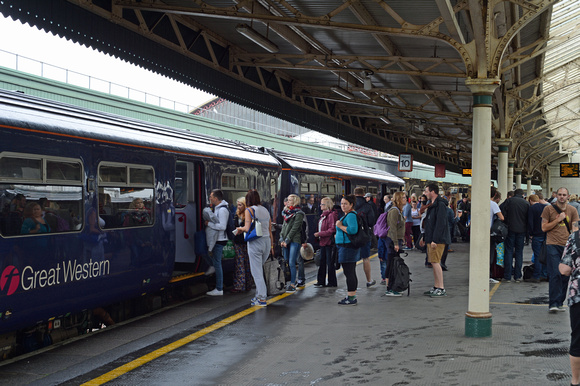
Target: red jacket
[327,226]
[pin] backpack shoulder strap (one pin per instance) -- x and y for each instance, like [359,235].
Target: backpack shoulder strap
[558,210]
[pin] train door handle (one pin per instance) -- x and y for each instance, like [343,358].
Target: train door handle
[183,218]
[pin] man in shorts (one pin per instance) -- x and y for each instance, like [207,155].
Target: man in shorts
[437,236]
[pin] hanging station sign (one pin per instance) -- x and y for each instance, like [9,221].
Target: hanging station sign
[405,162]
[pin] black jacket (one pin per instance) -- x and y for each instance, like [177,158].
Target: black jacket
[436,224]
[515,212]
[363,208]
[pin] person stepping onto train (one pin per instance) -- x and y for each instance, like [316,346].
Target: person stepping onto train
[217,231]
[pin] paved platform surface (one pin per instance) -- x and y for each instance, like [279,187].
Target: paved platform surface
[307,339]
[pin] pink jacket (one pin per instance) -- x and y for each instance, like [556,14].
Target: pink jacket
[327,226]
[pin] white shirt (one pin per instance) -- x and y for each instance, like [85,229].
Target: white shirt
[494,209]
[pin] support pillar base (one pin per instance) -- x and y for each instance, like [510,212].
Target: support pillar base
[478,324]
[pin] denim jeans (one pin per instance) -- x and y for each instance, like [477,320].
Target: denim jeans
[513,241]
[383,251]
[558,284]
[327,263]
[291,255]
[539,268]
[216,259]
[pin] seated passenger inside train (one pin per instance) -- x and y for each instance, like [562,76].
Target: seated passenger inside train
[137,214]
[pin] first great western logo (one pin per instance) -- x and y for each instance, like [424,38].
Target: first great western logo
[63,272]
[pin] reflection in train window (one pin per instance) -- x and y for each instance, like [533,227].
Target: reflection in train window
[43,187]
[60,206]
[126,195]
[373,190]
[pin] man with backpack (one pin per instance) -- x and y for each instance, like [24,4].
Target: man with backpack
[558,221]
[436,237]
[366,212]
[218,230]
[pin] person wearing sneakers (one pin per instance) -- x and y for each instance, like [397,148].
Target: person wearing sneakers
[325,234]
[218,230]
[259,248]
[436,236]
[347,255]
[558,220]
[395,237]
[570,266]
[365,210]
[290,240]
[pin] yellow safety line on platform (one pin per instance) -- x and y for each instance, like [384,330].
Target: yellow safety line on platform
[495,287]
[181,342]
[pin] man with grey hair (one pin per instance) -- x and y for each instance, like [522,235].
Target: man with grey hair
[558,221]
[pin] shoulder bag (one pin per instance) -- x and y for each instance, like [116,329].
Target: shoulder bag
[255,228]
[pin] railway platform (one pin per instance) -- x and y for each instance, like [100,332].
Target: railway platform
[306,338]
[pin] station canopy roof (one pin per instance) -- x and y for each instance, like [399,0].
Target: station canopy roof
[389,75]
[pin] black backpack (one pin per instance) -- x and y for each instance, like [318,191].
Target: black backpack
[230,226]
[362,236]
[401,275]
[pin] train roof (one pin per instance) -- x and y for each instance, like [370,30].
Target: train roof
[24,111]
[337,169]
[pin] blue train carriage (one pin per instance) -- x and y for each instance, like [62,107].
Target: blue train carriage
[313,178]
[109,228]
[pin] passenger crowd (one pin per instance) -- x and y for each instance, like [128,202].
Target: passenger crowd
[429,224]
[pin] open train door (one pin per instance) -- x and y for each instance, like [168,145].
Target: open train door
[188,188]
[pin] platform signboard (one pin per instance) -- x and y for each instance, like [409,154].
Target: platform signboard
[569,169]
[466,172]
[405,162]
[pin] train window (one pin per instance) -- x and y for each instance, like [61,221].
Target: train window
[373,190]
[32,184]
[235,182]
[112,174]
[59,206]
[20,168]
[141,176]
[126,195]
[63,170]
[328,189]
[308,187]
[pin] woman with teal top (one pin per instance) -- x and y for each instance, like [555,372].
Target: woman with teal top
[33,220]
[347,255]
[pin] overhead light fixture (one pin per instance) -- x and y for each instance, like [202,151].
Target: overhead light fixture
[385,119]
[368,85]
[257,38]
[342,92]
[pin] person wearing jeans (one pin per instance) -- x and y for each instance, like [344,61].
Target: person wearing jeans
[538,236]
[558,220]
[290,240]
[515,212]
[514,250]
[217,232]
